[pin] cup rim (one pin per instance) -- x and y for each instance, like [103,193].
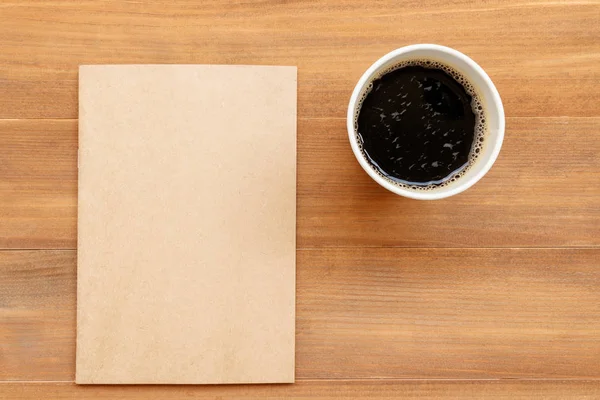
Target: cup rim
[461,185]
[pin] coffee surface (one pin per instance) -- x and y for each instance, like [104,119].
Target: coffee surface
[417,126]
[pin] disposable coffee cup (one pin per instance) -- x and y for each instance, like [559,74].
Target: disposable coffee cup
[488,98]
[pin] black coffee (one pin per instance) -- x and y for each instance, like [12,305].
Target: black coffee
[418,126]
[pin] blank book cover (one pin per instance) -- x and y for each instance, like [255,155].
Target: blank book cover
[186,226]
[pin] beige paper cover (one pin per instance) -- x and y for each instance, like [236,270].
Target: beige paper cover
[187,210]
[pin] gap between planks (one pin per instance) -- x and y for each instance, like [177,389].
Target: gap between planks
[298,380]
[320,118]
[325,248]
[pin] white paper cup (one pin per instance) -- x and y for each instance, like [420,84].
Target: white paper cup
[493,111]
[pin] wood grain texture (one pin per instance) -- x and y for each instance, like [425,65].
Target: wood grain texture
[542,191]
[320,390]
[367,313]
[544,56]
[38,183]
[37,314]
[441,313]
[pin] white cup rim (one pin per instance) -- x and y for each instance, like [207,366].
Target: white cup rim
[462,184]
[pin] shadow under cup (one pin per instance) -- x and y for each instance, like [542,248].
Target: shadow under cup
[486,92]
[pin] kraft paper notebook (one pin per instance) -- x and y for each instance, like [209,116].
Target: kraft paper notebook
[186,228]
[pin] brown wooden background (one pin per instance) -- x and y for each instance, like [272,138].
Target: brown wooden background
[494,293]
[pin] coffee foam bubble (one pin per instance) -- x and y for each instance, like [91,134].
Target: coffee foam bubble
[476,106]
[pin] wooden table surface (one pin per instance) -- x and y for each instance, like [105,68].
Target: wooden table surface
[494,293]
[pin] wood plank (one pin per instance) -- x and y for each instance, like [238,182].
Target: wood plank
[367,314]
[541,191]
[543,55]
[322,390]
[38,183]
[441,313]
[37,314]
